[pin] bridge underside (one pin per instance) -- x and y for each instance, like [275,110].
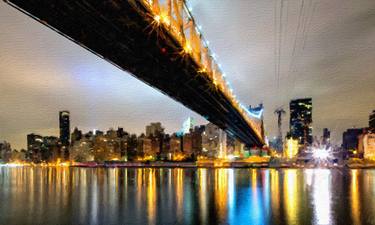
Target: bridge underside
[121,32]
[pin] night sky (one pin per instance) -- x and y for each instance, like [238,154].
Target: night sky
[270,52]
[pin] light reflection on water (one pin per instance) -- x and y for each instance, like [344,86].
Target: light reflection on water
[35,195]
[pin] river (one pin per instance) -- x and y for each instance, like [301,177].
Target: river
[63,195]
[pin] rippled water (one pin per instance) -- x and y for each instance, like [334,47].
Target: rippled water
[35,195]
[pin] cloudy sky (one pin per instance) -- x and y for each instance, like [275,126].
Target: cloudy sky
[271,51]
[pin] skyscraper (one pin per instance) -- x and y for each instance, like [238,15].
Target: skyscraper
[34,146]
[372,121]
[187,125]
[301,120]
[326,136]
[64,128]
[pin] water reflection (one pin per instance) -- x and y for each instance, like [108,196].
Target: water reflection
[291,197]
[35,195]
[321,196]
[355,197]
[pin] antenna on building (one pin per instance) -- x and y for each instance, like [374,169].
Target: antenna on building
[279,112]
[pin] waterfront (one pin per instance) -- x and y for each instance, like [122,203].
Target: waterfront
[63,195]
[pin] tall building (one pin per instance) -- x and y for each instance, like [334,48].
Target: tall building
[64,122]
[372,121]
[50,149]
[350,140]
[326,136]
[34,147]
[187,125]
[301,120]
[76,135]
[5,151]
[210,140]
[174,144]
[367,145]
[196,136]
[291,148]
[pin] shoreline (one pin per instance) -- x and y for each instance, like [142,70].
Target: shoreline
[196,165]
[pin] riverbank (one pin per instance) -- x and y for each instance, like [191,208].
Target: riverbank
[198,164]
[214,164]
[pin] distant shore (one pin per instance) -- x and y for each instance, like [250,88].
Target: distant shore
[205,164]
[221,165]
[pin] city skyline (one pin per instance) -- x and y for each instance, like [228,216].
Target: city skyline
[52,74]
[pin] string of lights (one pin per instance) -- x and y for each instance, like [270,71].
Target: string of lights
[176,16]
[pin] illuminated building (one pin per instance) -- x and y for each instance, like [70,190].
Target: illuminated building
[145,146]
[196,136]
[34,146]
[238,147]
[210,140]
[50,149]
[372,121]
[106,148]
[222,144]
[301,120]
[82,150]
[291,148]
[214,142]
[367,145]
[155,132]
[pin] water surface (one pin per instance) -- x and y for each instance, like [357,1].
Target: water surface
[36,195]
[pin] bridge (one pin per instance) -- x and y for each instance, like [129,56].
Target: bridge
[159,42]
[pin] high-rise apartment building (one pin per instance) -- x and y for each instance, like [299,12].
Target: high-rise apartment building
[301,120]
[64,122]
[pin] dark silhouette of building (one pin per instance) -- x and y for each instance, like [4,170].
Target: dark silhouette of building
[197,139]
[34,147]
[301,120]
[372,121]
[121,132]
[64,122]
[50,149]
[76,135]
[326,136]
[350,140]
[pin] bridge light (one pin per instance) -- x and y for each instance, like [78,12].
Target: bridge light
[187,47]
[164,19]
[157,18]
